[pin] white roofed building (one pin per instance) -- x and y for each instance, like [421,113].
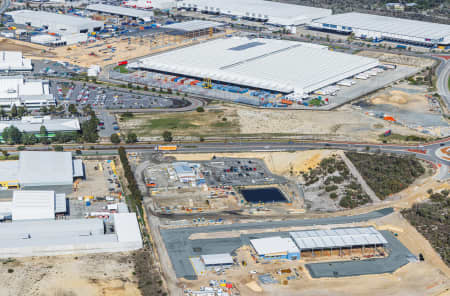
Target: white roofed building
[13,61]
[122,11]
[31,93]
[276,65]
[385,28]
[270,248]
[216,260]
[32,205]
[151,4]
[54,22]
[271,12]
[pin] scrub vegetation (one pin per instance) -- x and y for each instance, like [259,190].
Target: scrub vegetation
[386,174]
[432,220]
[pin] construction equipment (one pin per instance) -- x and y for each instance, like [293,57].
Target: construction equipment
[207,83]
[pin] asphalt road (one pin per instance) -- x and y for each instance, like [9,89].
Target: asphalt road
[443,73]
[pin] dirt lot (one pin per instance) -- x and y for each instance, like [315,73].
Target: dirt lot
[86,275]
[398,59]
[401,99]
[98,53]
[28,49]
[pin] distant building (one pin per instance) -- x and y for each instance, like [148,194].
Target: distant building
[54,22]
[151,4]
[31,93]
[32,125]
[395,6]
[36,170]
[13,61]
[122,11]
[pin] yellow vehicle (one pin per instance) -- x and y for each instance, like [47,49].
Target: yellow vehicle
[207,83]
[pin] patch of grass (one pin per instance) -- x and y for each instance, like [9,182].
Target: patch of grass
[186,124]
[121,69]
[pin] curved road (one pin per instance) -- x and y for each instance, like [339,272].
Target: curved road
[443,73]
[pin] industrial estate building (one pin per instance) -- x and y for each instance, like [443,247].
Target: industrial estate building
[151,4]
[274,65]
[32,125]
[311,243]
[274,13]
[217,260]
[13,61]
[37,170]
[31,93]
[54,22]
[122,11]
[193,26]
[385,28]
[57,237]
[33,205]
[276,247]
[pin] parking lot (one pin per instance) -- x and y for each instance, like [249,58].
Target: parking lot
[238,172]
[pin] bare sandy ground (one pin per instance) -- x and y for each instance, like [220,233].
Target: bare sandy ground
[398,58]
[414,102]
[344,123]
[86,275]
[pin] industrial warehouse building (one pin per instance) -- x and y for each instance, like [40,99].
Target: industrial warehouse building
[13,61]
[268,64]
[217,260]
[122,11]
[151,4]
[36,170]
[385,28]
[32,125]
[274,13]
[56,237]
[31,93]
[35,205]
[194,26]
[310,243]
[54,22]
[271,248]
[318,242]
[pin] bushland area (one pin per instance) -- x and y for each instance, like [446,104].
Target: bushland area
[386,174]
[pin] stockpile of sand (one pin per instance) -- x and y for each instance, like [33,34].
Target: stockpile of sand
[401,99]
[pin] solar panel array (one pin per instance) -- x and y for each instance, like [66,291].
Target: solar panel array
[337,238]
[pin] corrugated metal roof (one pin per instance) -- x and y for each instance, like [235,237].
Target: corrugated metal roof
[125,11]
[78,169]
[385,24]
[31,205]
[38,168]
[14,61]
[52,125]
[127,227]
[217,259]
[278,65]
[60,203]
[274,12]
[335,238]
[54,18]
[194,25]
[9,170]
[272,245]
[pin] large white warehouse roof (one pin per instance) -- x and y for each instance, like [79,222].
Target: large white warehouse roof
[274,245]
[58,23]
[338,238]
[278,65]
[396,27]
[14,61]
[272,12]
[123,11]
[30,205]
